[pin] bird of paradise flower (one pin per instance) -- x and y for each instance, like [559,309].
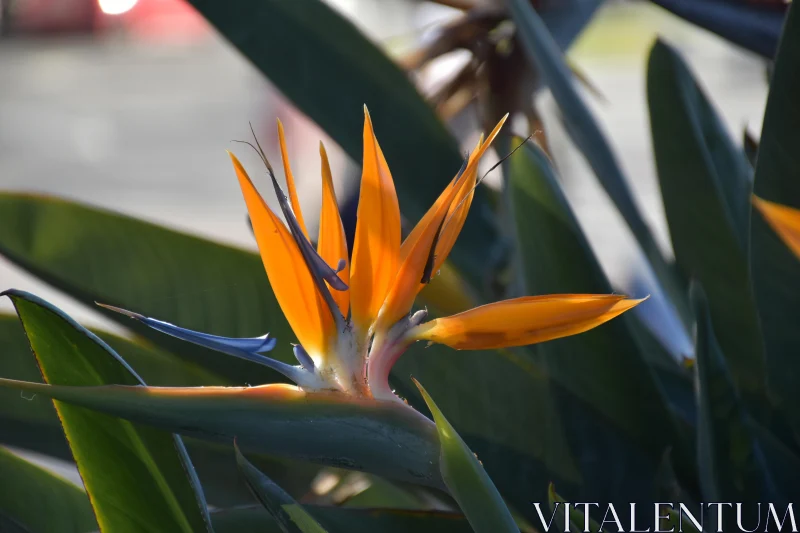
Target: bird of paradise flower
[352,313]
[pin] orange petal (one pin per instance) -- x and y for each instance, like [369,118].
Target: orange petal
[448,293]
[331,243]
[287,272]
[459,208]
[407,283]
[784,220]
[377,242]
[287,169]
[525,320]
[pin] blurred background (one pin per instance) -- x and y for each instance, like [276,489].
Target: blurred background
[131,104]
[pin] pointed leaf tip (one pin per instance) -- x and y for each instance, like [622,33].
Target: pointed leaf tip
[466,478]
[291,517]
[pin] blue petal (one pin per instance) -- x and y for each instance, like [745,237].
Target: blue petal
[302,356]
[231,345]
[244,348]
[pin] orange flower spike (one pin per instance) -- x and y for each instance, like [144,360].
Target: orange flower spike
[287,271]
[460,207]
[287,169]
[461,204]
[412,270]
[416,231]
[376,248]
[331,242]
[522,321]
[784,220]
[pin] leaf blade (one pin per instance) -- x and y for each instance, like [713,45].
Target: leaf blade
[309,424]
[543,52]
[125,468]
[142,267]
[468,482]
[28,488]
[775,270]
[694,152]
[291,517]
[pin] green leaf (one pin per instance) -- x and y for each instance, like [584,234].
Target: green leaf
[27,490]
[549,62]
[754,26]
[467,480]
[97,255]
[565,19]
[631,422]
[734,460]
[291,517]
[333,429]
[339,520]
[706,186]
[138,478]
[775,270]
[329,70]
[30,422]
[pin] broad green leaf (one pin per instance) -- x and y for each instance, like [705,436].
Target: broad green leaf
[138,478]
[577,520]
[733,459]
[99,256]
[329,70]
[333,429]
[340,520]
[466,479]
[30,422]
[26,422]
[291,517]
[550,64]
[755,26]
[775,270]
[27,489]
[631,421]
[706,185]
